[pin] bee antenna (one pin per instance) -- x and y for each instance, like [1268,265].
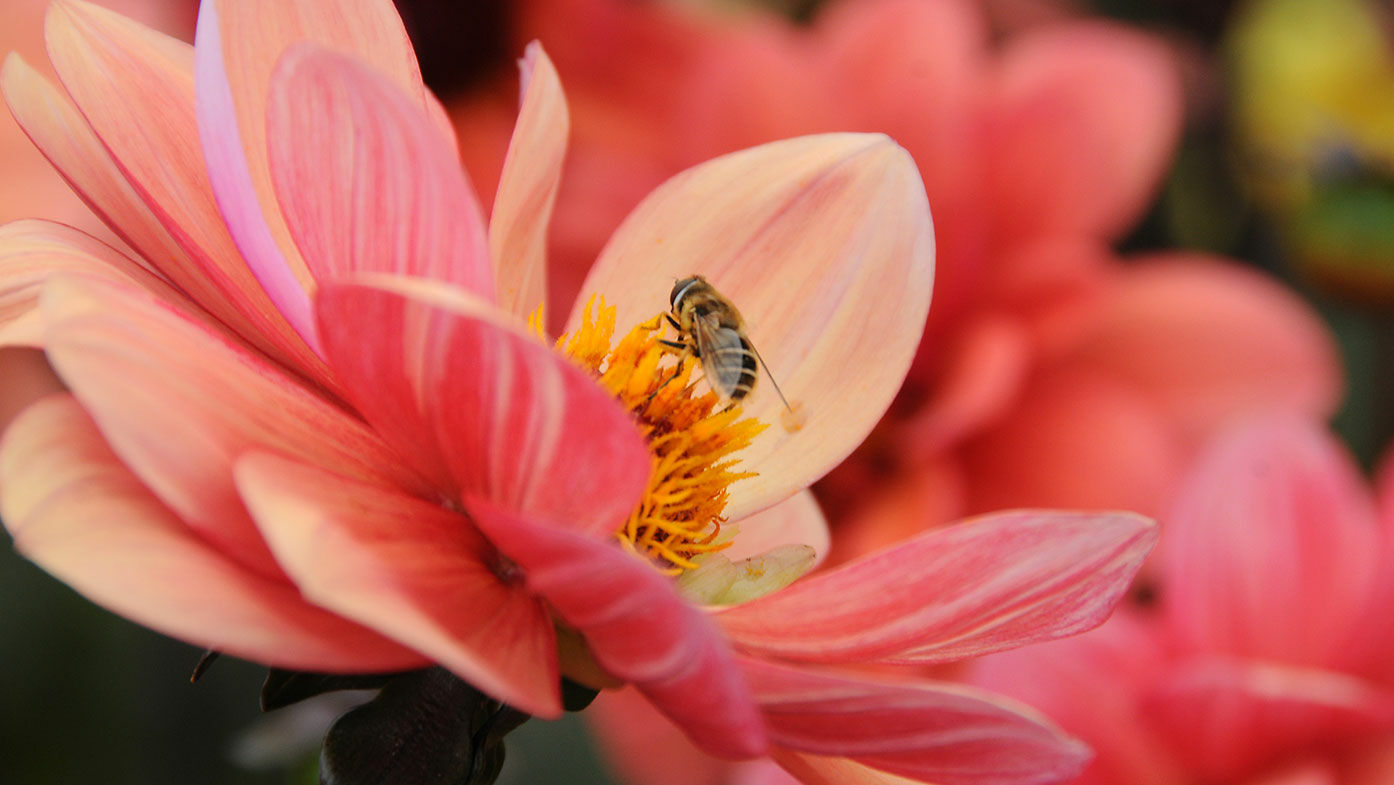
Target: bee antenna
[773,383]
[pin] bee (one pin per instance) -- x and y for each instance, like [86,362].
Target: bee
[713,331]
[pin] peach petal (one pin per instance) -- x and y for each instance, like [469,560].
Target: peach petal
[60,131]
[980,586]
[528,187]
[637,627]
[1076,438]
[364,181]
[179,402]
[795,521]
[31,251]
[927,731]
[825,244]
[28,378]
[121,74]
[409,569]
[238,44]
[1104,107]
[1272,547]
[76,511]
[1227,718]
[1210,340]
[496,416]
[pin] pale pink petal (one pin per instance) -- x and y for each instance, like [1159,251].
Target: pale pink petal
[179,402]
[364,180]
[1272,548]
[494,414]
[31,251]
[238,44]
[928,731]
[1076,438]
[980,586]
[1227,718]
[76,511]
[824,243]
[1209,340]
[637,627]
[28,378]
[796,520]
[1093,685]
[410,569]
[1082,122]
[122,75]
[528,187]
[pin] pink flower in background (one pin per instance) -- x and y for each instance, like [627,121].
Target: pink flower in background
[1266,657]
[1053,372]
[310,425]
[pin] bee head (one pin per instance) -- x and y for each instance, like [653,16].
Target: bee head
[681,287]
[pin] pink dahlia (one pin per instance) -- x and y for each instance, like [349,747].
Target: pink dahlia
[313,421]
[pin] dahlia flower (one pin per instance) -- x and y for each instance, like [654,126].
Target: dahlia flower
[314,421]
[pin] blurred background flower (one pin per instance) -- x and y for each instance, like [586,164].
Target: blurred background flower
[1157,220]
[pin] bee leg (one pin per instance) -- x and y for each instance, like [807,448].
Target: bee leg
[680,346]
[673,322]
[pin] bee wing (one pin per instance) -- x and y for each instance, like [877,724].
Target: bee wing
[727,360]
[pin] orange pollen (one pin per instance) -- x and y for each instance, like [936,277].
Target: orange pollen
[692,438]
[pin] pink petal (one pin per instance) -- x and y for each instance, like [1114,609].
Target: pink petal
[363,178]
[409,569]
[120,75]
[637,628]
[983,585]
[1227,718]
[1210,341]
[494,415]
[796,520]
[528,187]
[1093,685]
[31,251]
[76,511]
[931,732]
[1076,438]
[825,245]
[641,746]
[1103,105]
[238,46]
[179,401]
[1272,548]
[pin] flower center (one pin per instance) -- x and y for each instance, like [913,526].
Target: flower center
[692,438]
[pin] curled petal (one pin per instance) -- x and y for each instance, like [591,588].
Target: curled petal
[121,75]
[1272,526]
[1226,718]
[412,570]
[238,44]
[824,243]
[528,187]
[363,178]
[179,401]
[637,628]
[930,732]
[31,251]
[980,586]
[76,511]
[794,521]
[487,410]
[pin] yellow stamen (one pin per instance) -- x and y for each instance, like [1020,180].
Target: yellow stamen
[693,439]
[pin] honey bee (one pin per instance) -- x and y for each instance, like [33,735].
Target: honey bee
[713,331]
